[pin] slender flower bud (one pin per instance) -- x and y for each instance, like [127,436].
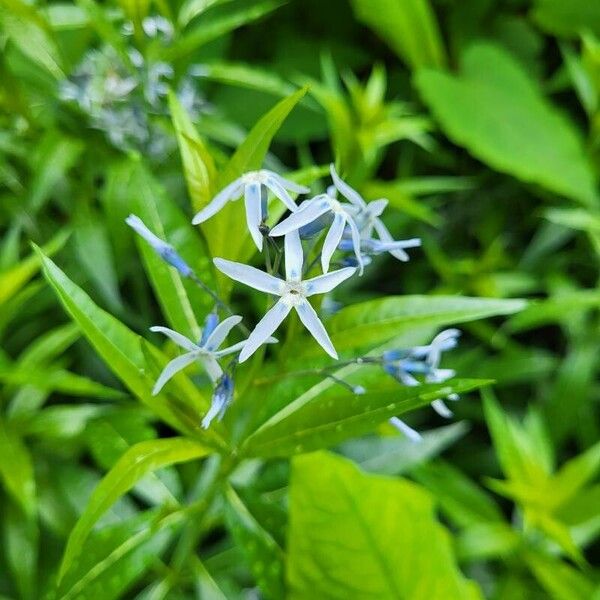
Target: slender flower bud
[222,397]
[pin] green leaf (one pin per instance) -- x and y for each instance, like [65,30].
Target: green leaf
[198,164]
[112,559]
[138,461]
[226,232]
[263,554]
[567,19]
[121,350]
[182,301]
[319,420]
[376,321]
[16,469]
[353,535]
[409,27]
[495,110]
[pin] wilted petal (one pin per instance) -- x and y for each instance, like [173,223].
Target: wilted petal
[332,239]
[294,256]
[217,337]
[179,339]
[311,321]
[346,191]
[176,365]
[247,275]
[313,210]
[229,192]
[265,327]
[409,432]
[325,283]
[280,192]
[252,200]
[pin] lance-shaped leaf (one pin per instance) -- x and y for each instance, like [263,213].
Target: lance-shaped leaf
[320,420]
[353,535]
[138,461]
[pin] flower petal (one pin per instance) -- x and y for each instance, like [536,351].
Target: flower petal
[253,204]
[325,283]
[265,327]
[332,240]
[290,185]
[237,347]
[216,338]
[311,321]
[250,276]
[409,432]
[346,191]
[140,228]
[173,367]
[386,236]
[211,366]
[441,409]
[376,207]
[229,192]
[179,339]
[280,192]
[316,207]
[294,256]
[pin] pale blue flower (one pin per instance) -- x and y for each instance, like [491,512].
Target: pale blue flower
[251,186]
[371,246]
[405,364]
[292,292]
[162,248]
[205,352]
[221,399]
[314,210]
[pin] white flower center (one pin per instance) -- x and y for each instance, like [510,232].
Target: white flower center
[255,177]
[294,292]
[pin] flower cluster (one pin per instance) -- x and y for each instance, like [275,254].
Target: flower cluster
[123,98]
[348,226]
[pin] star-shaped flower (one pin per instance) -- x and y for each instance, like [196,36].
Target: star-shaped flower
[205,352]
[250,185]
[313,210]
[367,215]
[293,293]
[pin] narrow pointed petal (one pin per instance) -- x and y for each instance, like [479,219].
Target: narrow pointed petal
[253,204]
[217,337]
[356,244]
[237,347]
[313,210]
[280,192]
[140,228]
[230,192]
[386,236]
[409,432]
[212,367]
[441,409]
[332,240]
[250,276]
[294,256]
[265,327]
[179,339]
[290,185]
[173,367]
[325,283]
[377,207]
[346,191]
[311,321]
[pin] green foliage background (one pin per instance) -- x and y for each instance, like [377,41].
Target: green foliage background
[479,120]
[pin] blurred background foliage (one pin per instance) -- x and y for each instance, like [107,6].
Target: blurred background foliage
[479,120]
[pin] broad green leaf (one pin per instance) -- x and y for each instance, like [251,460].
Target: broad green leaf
[394,455]
[14,279]
[495,110]
[567,19]
[16,469]
[138,461]
[182,301]
[320,420]
[121,350]
[353,535]
[376,321]
[263,554]
[112,559]
[409,27]
[198,164]
[226,232]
